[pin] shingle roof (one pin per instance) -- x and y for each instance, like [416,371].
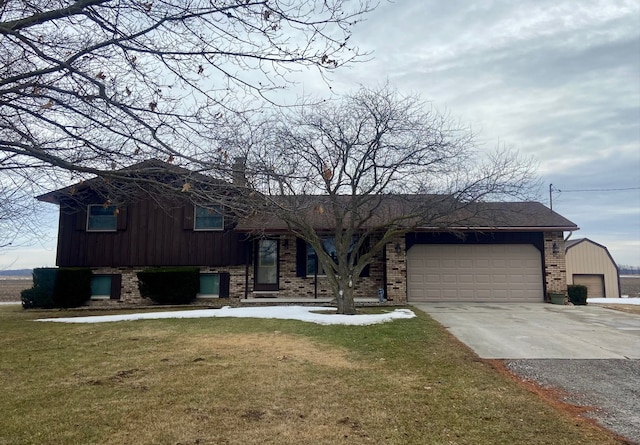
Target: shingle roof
[427,212]
[445,214]
[167,174]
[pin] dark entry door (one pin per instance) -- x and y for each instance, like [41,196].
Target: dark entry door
[266,265]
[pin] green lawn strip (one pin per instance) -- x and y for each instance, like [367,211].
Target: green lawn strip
[239,381]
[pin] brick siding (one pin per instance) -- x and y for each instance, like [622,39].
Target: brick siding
[555,268]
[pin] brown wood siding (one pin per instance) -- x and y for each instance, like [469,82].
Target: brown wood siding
[154,235]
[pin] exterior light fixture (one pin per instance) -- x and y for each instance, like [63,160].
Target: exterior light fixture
[398,248]
[555,249]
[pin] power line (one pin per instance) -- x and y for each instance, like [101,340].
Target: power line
[597,190]
[554,189]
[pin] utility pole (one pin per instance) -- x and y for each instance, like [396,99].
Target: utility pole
[551,196]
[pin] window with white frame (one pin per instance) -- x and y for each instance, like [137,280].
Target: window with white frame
[208,218]
[102,218]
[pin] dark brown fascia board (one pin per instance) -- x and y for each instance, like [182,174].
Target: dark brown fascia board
[499,229]
[434,229]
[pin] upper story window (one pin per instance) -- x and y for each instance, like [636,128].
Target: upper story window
[208,218]
[101,218]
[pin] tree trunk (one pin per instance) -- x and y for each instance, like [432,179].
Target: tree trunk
[344,298]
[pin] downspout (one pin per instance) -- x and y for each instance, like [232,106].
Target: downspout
[246,271]
[384,272]
[315,279]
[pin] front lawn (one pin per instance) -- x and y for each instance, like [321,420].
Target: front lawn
[251,381]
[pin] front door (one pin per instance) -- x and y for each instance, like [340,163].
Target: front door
[266,265]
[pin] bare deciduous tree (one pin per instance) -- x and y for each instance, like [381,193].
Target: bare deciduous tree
[356,174]
[90,86]
[94,85]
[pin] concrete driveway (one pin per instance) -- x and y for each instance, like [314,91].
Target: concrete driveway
[541,342]
[540,331]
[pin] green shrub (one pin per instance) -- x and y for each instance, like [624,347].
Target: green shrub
[577,294]
[41,294]
[53,287]
[73,287]
[170,285]
[36,298]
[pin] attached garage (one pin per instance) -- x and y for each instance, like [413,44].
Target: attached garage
[474,273]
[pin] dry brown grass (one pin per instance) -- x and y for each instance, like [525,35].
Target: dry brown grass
[247,381]
[630,286]
[628,308]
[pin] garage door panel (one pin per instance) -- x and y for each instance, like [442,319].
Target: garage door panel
[502,279]
[465,278]
[464,293]
[594,284]
[479,272]
[498,264]
[501,294]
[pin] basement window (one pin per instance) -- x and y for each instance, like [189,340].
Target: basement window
[209,285]
[101,287]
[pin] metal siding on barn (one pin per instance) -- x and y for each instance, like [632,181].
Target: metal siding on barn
[478,272]
[586,257]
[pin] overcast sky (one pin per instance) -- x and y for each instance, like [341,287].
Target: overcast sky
[557,79]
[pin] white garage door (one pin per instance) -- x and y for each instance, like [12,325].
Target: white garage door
[594,284]
[474,272]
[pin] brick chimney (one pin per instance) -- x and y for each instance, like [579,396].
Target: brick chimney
[238,172]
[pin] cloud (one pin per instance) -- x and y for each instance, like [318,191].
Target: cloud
[557,79]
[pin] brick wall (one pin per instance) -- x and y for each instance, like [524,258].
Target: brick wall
[555,269]
[396,254]
[129,292]
[292,286]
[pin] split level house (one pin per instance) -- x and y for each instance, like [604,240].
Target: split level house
[514,254]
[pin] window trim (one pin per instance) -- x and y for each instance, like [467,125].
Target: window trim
[217,209]
[115,218]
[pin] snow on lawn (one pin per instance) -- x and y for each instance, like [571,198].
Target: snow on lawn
[302,313]
[623,300]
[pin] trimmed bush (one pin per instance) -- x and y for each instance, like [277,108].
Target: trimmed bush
[577,294]
[73,287]
[41,294]
[53,287]
[163,285]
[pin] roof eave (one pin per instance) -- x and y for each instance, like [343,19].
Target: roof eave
[501,229]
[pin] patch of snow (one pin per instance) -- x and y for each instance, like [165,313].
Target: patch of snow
[624,300]
[303,313]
